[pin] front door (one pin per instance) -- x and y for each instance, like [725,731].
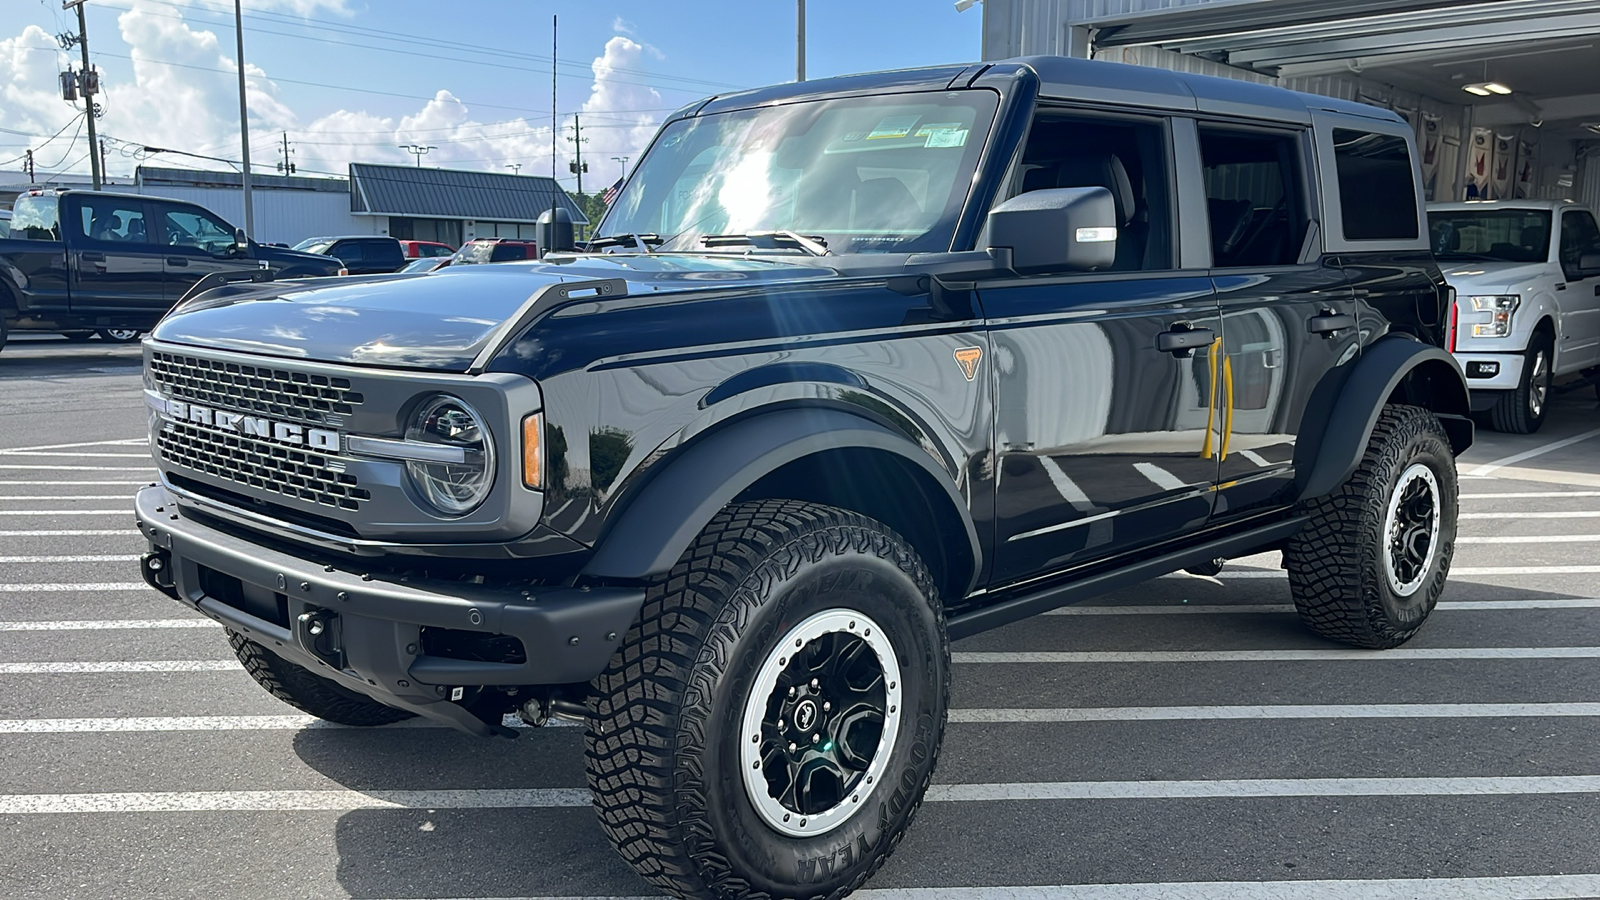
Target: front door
[1104,381]
[1580,302]
[197,244]
[116,267]
[1288,316]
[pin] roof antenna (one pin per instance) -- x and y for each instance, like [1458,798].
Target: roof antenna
[555,186]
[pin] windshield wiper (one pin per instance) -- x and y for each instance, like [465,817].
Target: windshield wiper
[640,242]
[814,245]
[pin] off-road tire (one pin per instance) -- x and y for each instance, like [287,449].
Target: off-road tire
[1337,570]
[1513,413]
[663,743]
[309,692]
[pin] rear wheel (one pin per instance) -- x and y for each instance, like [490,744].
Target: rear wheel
[304,690]
[769,726]
[1369,566]
[1522,410]
[119,335]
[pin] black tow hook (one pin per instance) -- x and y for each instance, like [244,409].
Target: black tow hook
[156,569]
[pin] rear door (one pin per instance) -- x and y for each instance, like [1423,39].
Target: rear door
[1580,302]
[1104,439]
[116,265]
[196,244]
[1288,317]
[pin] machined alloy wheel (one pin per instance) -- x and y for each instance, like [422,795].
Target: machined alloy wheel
[1538,383]
[1522,410]
[119,335]
[822,713]
[1411,529]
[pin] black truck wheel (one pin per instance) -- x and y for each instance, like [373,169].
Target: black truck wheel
[770,724]
[306,691]
[1522,409]
[119,335]
[1369,566]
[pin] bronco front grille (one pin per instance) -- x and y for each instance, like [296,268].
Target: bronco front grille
[275,392]
[290,472]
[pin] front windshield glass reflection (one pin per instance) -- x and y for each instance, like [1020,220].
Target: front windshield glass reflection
[865,174]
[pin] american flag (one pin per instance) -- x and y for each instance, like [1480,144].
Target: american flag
[611,193]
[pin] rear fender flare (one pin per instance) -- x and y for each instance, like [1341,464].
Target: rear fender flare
[655,528]
[1344,408]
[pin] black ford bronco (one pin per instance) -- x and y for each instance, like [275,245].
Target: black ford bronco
[853,368]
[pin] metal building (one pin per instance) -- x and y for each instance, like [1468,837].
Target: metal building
[1504,95]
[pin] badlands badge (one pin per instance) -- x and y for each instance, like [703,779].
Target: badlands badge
[968,357]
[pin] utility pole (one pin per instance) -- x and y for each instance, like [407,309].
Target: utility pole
[90,88]
[800,41]
[555,30]
[286,167]
[577,166]
[244,124]
[104,172]
[29,166]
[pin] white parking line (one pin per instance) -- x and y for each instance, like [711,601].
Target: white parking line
[1524,514]
[55,587]
[51,498]
[67,512]
[13,483]
[92,532]
[1258,608]
[121,557]
[76,454]
[1540,450]
[569,798]
[1160,477]
[1206,713]
[121,442]
[1530,539]
[113,668]
[1332,654]
[1527,887]
[106,624]
[1454,571]
[1530,495]
[65,466]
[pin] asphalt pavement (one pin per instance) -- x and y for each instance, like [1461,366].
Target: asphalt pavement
[1183,739]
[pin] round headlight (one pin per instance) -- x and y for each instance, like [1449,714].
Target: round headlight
[454,488]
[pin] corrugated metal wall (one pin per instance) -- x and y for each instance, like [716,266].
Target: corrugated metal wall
[285,217]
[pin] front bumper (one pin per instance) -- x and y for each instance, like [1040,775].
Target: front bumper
[364,631]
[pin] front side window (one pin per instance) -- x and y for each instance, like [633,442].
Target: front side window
[187,227]
[1254,198]
[113,220]
[1579,238]
[1376,189]
[1495,234]
[865,174]
[348,252]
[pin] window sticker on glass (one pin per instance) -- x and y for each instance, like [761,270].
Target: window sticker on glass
[893,127]
[943,134]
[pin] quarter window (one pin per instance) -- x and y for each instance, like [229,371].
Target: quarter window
[1254,199]
[1376,188]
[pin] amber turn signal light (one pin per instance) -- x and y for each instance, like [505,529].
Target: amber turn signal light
[532,452]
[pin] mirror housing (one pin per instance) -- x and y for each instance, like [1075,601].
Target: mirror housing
[1589,265]
[1056,230]
[241,243]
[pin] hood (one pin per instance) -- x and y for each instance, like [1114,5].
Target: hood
[1493,277]
[439,320]
[285,254]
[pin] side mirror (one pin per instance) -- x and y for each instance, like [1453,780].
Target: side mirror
[1589,265]
[1057,230]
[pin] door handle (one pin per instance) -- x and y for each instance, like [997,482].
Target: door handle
[92,256]
[177,261]
[1329,322]
[1182,341]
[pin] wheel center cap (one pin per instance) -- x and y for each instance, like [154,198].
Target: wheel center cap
[805,715]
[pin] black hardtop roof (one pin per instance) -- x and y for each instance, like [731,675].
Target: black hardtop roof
[1065,78]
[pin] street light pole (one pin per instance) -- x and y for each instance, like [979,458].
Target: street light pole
[624,161]
[417,150]
[244,124]
[800,41]
[88,97]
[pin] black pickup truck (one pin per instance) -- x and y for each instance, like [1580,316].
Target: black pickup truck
[82,261]
[852,368]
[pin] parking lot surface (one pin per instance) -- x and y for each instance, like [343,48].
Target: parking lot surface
[1184,739]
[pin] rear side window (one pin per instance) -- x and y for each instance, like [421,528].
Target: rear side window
[384,252]
[34,218]
[1376,189]
[348,252]
[504,252]
[1254,197]
[113,220]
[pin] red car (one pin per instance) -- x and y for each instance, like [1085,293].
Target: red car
[493,250]
[426,249]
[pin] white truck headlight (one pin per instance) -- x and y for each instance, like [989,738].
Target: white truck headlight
[454,488]
[1491,315]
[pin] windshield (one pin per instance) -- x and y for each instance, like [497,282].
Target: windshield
[1507,235]
[864,174]
[34,218]
[314,245]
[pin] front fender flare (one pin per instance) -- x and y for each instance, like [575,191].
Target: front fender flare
[1345,407]
[659,524]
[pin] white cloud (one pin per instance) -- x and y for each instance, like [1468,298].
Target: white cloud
[176,100]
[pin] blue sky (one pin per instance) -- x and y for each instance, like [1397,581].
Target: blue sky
[350,79]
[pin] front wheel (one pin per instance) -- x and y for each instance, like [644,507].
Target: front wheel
[1370,564]
[1522,410]
[307,691]
[119,335]
[769,726]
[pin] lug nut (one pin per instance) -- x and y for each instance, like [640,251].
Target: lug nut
[826,706]
[793,746]
[815,683]
[816,739]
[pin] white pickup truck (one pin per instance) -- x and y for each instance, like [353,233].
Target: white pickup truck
[1527,280]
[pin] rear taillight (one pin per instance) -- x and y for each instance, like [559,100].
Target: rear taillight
[1450,330]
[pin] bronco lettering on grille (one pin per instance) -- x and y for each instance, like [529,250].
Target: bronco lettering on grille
[254,426]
